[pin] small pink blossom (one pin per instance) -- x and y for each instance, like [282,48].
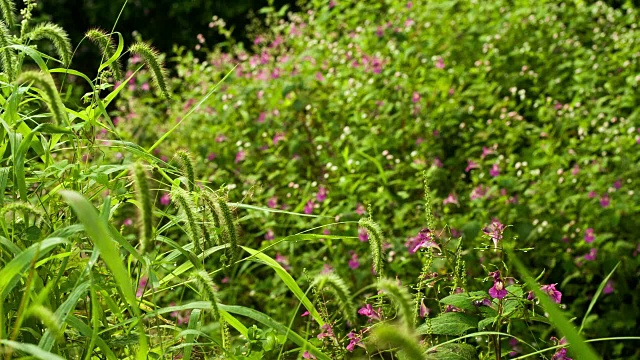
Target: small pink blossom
[591,255]
[269,235]
[494,231]
[327,331]
[440,63]
[240,155]
[608,288]
[604,201]
[589,235]
[308,355]
[592,194]
[273,202]
[360,210]
[308,208]
[165,199]
[423,240]
[415,97]
[142,285]
[354,340]
[369,312]
[451,199]
[354,263]
[322,194]
[363,235]
[495,170]
[497,291]
[471,165]
[553,292]
[277,138]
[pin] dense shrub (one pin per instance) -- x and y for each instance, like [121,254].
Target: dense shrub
[520,112]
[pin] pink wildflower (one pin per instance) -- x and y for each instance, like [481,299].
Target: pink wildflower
[591,255]
[440,63]
[553,292]
[273,202]
[369,312]
[423,240]
[495,170]
[589,236]
[360,209]
[354,263]
[240,155]
[604,201]
[494,231]
[415,97]
[451,199]
[497,291]
[471,165]
[363,235]
[165,199]
[269,235]
[308,208]
[322,194]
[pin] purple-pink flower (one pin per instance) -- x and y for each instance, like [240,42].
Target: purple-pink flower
[497,291]
[354,263]
[555,294]
[495,170]
[269,235]
[369,312]
[440,63]
[322,194]
[494,231]
[354,340]
[327,331]
[561,354]
[589,235]
[308,355]
[451,199]
[142,285]
[415,97]
[608,288]
[591,255]
[363,235]
[273,202]
[240,155]
[471,165]
[165,199]
[308,208]
[604,200]
[360,210]
[423,240]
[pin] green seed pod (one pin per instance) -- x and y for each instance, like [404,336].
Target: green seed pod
[146,207]
[58,38]
[152,59]
[375,241]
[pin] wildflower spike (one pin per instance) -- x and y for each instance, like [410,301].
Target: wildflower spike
[152,59]
[57,36]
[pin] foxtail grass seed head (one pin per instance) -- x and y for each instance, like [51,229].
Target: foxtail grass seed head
[7,57]
[47,317]
[428,206]
[339,288]
[401,298]
[375,241]
[227,223]
[58,38]
[107,47]
[208,290]
[8,8]
[185,203]
[186,162]
[388,336]
[154,63]
[146,208]
[212,207]
[50,93]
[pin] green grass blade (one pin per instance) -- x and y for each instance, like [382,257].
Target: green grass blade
[48,339]
[31,349]
[288,280]
[115,55]
[10,274]
[578,345]
[193,323]
[266,320]
[86,331]
[596,296]
[98,231]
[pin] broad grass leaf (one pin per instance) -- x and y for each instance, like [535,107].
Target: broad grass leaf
[453,352]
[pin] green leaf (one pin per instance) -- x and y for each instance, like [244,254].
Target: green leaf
[11,273]
[460,301]
[596,296]
[48,339]
[98,231]
[266,320]
[453,352]
[288,280]
[450,323]
[31,349]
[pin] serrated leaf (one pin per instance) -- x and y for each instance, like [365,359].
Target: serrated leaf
[451,323]
[454,352]
[460,301]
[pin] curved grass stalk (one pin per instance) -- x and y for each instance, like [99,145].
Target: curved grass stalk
[107,48]
[387,336]
[340,289]
[146,207]
[375,241]
[50,93]
[151,58]
[401,298]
